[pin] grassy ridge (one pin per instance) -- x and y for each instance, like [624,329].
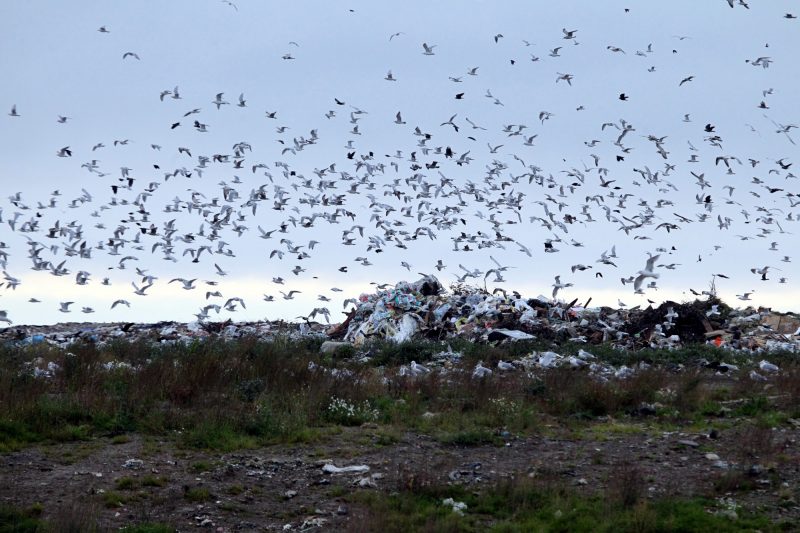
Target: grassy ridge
[230,395]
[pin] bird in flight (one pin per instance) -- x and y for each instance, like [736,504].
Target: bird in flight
[647,272]
[218,101]
[568,34]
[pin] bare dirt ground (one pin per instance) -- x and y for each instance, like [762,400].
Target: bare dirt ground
[284,487]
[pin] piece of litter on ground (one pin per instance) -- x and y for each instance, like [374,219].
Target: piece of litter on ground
[333,469]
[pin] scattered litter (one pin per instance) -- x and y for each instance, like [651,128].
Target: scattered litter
[766,366]
[332,469]
[133,464]
[513,334]
[333,346]
[481,371]
[101,334]
[458,507]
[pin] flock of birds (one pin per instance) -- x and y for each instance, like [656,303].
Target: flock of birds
[412,194]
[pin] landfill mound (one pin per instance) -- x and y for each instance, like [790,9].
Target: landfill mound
[62,335]
[693,322]
[425,310]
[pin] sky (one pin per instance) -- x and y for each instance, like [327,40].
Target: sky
[318,66]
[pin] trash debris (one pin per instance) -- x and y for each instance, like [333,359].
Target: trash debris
[356,469]
[63,335]
[133,464]
[766,366]
[458,507]
[425,310]
[333,346]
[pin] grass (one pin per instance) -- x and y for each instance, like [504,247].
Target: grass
[29,520]
[112,499]
[21,520]
[125,483]
[201,466]
[523,505]
[148,528]
[470,437]
[247,393]
[235,490]
[153,481]
[219,397]
[197,494]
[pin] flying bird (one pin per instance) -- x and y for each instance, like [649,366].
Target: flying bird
[428,50]
[647,272]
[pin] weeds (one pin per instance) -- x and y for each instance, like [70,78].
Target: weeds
[21,520]
[112,499]
[470,437]
[148,528]
[197,494]
[223,396]
[125,483]
[524,504]
[246,393]
[627,486]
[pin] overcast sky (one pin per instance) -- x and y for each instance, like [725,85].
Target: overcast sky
[56,62]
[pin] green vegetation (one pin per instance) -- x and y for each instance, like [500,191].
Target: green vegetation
[29,521]
[527,505]
[21,521]
[153,481]
[148,528]
[125,483]
[197,494]
[226,395]
[217,397]
[201,466]
[112,499]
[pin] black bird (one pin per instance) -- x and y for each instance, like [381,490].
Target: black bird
[623,96]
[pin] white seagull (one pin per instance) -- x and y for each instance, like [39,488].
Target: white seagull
[646,273]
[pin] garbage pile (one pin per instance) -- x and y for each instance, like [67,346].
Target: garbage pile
[423,309]
[63,335]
